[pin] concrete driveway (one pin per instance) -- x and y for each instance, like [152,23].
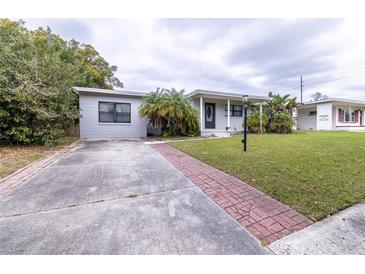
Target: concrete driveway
[116,197]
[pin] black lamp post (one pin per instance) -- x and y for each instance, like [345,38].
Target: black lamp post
[245,105]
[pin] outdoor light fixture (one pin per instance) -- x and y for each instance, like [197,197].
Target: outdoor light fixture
[245,105]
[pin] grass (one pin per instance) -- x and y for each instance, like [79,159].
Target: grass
[14,157]
[316,173]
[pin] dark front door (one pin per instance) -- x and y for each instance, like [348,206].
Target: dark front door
[209,115]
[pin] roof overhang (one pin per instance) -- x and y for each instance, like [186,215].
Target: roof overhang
[99,91]
[336,101]
[253,99]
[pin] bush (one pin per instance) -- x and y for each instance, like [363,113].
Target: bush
[170,111]
[253,122]
[282,123]
[280,113]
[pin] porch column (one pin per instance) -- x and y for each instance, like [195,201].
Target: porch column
[201,113]
[228,114]
[260,117]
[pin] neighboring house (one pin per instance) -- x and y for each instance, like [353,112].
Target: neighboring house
[332,114]
[213,110]
[108,114]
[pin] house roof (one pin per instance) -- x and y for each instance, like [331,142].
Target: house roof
[336,100]
[226,95]
[109,91]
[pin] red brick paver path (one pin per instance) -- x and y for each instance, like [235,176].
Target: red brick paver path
[21,175]
[265,217]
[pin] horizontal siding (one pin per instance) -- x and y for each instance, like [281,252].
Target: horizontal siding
[89,119]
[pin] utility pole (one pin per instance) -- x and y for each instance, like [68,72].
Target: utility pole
[301,89]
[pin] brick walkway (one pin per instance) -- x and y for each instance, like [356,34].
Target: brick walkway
[265,217]
[21,175]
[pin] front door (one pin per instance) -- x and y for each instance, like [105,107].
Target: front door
[209,115]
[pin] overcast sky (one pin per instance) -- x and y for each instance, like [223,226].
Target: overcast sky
[253,56]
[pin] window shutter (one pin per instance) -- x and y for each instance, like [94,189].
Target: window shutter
[356,116]
[339,115]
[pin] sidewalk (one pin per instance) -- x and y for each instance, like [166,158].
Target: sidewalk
[340,234]
[265,217]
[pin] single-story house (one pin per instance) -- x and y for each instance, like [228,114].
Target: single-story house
[332,114]
[108,114]
[111,114]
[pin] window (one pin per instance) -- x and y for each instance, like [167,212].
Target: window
[114,112]
[312,113]
[236,110]
[347,115]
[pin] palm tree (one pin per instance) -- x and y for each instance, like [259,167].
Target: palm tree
[280,112]
[151,108]
[170,111]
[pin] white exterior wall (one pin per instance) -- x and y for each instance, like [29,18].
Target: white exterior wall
[90,127]
[324,116]
[220,118]
[306,121]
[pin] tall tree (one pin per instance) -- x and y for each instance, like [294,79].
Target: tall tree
[38,70]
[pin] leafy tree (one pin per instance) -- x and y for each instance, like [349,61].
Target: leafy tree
[38,70]
[279,113]
[170,111]
[319,96]
[94,70]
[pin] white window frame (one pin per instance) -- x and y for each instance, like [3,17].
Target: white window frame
[350,113]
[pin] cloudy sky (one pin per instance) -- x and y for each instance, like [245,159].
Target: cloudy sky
[236,55]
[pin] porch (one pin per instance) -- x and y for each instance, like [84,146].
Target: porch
[213,106]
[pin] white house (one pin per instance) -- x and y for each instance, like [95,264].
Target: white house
[107,114]
[332,114]
[213,110]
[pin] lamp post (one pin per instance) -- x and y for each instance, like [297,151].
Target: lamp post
[245,104]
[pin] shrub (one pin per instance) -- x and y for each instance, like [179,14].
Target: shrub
[282,123]
[253,122]
[280,113]
[170,111]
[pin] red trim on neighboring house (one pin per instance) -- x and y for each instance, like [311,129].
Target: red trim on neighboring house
[356,116]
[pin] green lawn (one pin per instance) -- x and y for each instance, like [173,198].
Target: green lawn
[317,173]
[14,157]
